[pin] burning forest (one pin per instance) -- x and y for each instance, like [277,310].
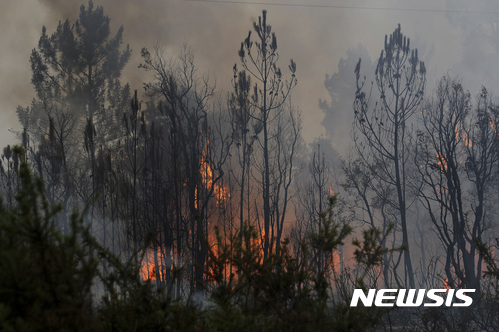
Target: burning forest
[165,199]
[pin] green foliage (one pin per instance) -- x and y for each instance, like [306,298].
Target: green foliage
[49,281]
[337,292]
[253,293]
[488,256]
[331,234]
[46,278]
[370,251]
[272,293]
[131,304]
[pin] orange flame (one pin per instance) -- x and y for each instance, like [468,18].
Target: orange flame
[335,261]
[221,192]
[148,266]
[493,125]
[465,139]
[446,284]
[442,162]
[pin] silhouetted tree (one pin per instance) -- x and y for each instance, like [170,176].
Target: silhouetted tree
[244,127]
[270,93]
[457,160]
[79,62]
[199,148]
[382,128]
[79,101]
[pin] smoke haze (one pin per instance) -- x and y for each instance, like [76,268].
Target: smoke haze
[316,34]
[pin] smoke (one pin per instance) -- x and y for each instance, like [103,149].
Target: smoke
[315,37]
[21,25]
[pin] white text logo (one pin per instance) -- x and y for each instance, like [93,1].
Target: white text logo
[412,297]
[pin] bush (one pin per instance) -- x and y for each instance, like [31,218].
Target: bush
[279,293]
[47,278]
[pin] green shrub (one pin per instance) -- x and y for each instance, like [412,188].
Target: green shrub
[47,278]
[278,293]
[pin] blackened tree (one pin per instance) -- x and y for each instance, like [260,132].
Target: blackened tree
[457,160]
[270,93]
[382,127]
[197,147]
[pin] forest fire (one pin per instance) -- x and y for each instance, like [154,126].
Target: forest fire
[336,262]
[442,162]
[493,125]
[466,141]
[192,204]
[220,192]
[446,284]
[148,267]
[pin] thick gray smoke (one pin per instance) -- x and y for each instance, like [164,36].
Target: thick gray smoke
[315,37]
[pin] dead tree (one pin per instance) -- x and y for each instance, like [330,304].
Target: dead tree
[382,128]
[457,159]
[259,57]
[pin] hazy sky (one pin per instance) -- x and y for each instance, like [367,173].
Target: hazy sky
[315,33]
